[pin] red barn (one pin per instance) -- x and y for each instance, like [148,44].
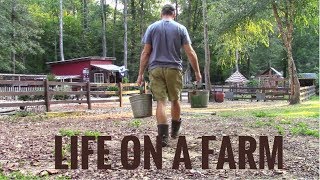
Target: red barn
[93,69]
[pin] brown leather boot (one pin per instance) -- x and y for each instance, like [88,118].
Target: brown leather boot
[163,132]
[175,128]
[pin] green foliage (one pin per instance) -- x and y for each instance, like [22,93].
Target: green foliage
[51,77]
[23,114]
[61,97]
[92,133]
[280,129]
[246,26]
[24,98]
[136,123]
[262,114]
[303,129]
[69,132]
[125,80]
[112,88]
[19,176]
[253,83]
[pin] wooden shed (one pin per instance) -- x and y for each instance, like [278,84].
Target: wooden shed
[307,79]
[93,69]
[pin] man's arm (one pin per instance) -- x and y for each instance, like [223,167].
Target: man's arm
[193,59]
[144,59]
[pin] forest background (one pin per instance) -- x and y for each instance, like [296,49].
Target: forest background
[29,33]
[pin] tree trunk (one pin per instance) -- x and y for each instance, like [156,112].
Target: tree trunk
[114,30]
[188,70]
[85,14]
[141,18]
[61,31]
[176,10]
[133,33]
[104,43]
[237,60]
[248,65]
[286,34]
[13,36]
[125,12]
[206,47]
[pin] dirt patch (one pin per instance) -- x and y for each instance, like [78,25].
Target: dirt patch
[27,144]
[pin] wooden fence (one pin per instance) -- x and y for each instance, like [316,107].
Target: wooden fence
[280,93]
[46,90]
[236,93]
[307,92]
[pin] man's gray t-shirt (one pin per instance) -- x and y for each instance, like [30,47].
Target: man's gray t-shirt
[166,38]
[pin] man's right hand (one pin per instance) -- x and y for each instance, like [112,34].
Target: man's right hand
[198,77]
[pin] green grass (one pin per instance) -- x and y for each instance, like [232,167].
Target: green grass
[262,123]
[69,132]
[307,109]
[262,114]
[303,129]
[198,115]
[136,123]
[92,133]
[19,176]
[280,129]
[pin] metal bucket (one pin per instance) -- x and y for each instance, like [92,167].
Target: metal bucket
[141,105]
[199,98]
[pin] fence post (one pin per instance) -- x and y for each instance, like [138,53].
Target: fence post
[88,96]
[120,93]
[46,95]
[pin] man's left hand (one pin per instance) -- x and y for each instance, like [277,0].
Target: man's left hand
[139,80]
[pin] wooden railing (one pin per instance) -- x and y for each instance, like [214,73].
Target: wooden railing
[251,93]
[307,92]
[46,90]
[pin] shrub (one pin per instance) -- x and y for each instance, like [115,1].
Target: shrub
[253,83]
[112,88]
[61,97]
[51,77]
[24,98]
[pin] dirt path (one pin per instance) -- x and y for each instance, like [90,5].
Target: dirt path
[28,144]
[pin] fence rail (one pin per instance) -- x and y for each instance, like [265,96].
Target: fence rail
[307,92]
[48,89]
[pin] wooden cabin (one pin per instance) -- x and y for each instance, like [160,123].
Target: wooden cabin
[271,78]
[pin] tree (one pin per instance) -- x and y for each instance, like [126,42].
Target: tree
[125,13]
[206,46]
[103,15]
[61,30]
[114,29]
[285,26]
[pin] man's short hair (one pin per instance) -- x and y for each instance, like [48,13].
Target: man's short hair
[168,9]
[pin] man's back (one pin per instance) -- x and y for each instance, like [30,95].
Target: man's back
[166,38]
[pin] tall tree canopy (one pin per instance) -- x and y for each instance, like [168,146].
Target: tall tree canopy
[29,32]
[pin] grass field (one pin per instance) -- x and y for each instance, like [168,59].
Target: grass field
[293,119]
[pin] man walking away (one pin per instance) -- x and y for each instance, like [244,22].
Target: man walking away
[161,54]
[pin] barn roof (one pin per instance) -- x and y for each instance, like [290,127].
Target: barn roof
[110,67]
[273,71]
[236,77]
[307,75]
[83,59]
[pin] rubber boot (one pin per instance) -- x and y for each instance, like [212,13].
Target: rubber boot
[175,128]
[163,131]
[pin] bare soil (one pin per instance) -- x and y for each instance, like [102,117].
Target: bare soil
[27,144]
